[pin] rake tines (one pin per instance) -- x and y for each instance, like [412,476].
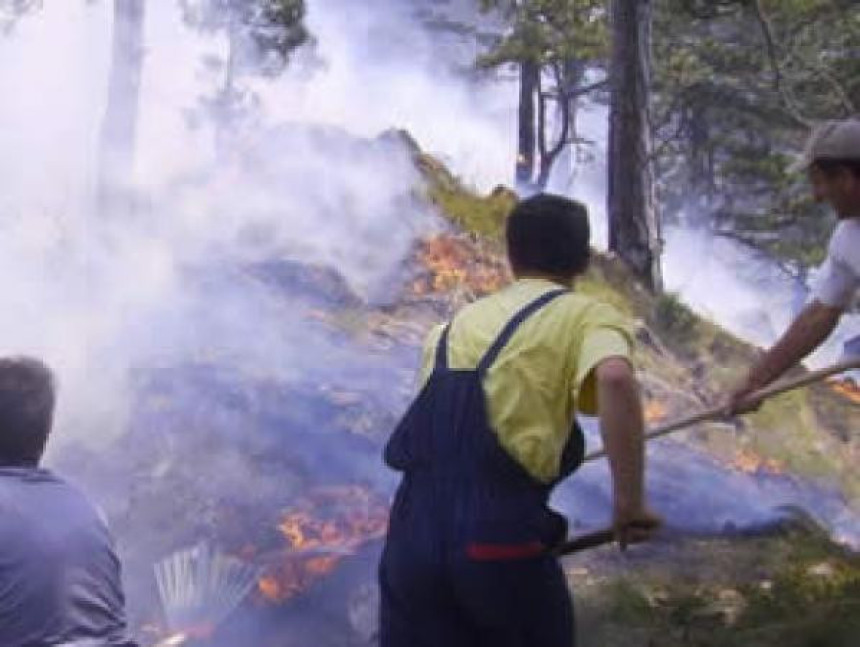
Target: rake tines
[199,587]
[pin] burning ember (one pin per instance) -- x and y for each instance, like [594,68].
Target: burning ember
[847,388]
[655,411]
[750,463]
[323,528]
[457,262]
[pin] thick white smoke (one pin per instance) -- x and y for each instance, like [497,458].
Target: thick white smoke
[95,299]
[99,297]
[748,295]
[719,278]
[379,67]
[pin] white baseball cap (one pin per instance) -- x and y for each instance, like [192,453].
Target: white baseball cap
[831,140]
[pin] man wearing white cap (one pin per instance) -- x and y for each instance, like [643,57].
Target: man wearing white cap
[832,161]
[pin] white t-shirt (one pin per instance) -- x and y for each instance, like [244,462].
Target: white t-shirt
[839,278]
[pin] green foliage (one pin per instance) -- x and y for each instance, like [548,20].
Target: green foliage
[548,31]
[553,43]
[485,216]
[476,214]
[737,83]
[808,605]
[282,27]
[11,11]
[275,27]
[594,285]
[794,589]
[673,318]
[628,603]
[261,34]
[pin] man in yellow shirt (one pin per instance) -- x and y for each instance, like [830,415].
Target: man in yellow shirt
[468,558]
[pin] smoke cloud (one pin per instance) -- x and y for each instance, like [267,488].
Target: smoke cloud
[300,176]
[295,177]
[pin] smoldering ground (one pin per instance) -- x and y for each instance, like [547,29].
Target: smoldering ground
[196,380]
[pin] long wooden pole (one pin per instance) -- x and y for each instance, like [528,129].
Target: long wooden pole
[755,398]
[584,542]
[607,535]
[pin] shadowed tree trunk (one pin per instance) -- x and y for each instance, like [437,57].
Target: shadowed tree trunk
[631,207]
[529,83]
[568,86]
[119,125]
[571,85]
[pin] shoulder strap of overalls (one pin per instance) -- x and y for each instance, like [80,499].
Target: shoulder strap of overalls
[442,350]
[511,327]
[503,338]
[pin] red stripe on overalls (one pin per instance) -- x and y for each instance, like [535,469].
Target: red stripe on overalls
[486,552]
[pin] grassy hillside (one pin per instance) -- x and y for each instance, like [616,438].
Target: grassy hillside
[788,586]
[686,362]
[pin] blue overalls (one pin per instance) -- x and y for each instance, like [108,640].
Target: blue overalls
[467,561]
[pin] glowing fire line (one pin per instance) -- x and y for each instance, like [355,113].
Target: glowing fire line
[748,462]
[654,411]
[320,531]
[452,262]
[846,387]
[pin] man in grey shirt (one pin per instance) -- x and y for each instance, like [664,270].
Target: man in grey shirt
[59,575]
[832,160]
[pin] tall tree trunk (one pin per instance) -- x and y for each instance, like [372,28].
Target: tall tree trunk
[568,81]
[572,80]
[529,82]
[631,206]
[119,125]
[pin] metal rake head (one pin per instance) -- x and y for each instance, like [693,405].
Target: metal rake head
[199,587]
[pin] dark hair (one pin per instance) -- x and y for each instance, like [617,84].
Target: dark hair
[27,396]
[831,167]
[549,234]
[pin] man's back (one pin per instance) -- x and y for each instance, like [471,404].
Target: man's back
[59,575]
[468,555]
[543,374]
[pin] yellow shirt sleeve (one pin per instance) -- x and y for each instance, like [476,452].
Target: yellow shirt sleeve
[606,335]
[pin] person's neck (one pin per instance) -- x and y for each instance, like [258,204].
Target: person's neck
[853,210]
[563,282]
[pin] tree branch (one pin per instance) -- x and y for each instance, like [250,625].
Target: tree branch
[542,98]
[564,106]
[586,89]
[779,85]
[822,71]
[788,267]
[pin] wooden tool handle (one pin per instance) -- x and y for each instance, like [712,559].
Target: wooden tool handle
[600,537]
[757,397]
[584,542]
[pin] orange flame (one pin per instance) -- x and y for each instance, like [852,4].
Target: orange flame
[270,587]
[749,462]
[321,529]
[455,261]
[847,388]
[654,411]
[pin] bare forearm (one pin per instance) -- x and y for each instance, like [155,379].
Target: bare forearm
[620,411]
[806,333]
